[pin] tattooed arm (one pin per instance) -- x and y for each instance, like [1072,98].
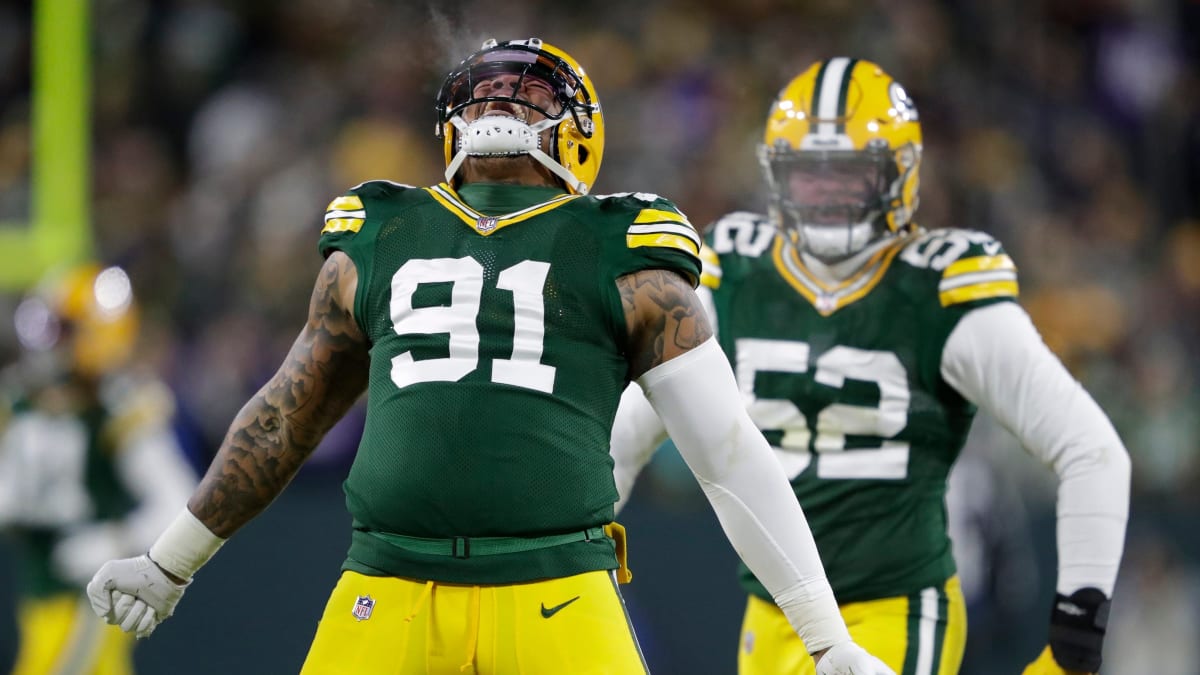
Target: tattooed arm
[323,375]
[663,316]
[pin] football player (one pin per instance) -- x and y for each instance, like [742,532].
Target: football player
[89,466]
[862,345]
[494,320]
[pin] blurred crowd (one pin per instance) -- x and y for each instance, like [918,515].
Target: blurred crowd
[1069,129]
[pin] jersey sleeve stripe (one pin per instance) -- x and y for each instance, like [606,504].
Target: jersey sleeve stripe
[663,240]
[342,225]
[660,216]
[977,278]
[345,203]
[681,230]
[979,264]
[983,291]
[333,214]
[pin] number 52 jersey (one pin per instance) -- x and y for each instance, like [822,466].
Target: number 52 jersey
[497,361]
[844,381]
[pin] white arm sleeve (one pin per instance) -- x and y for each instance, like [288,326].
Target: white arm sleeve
[995,358]
[637,431]
[697,398]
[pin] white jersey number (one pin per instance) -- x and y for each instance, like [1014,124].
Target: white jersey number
[887,461]
[745,233]
[937,249]
[525,280]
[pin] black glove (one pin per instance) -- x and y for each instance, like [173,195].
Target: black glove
[1077,625]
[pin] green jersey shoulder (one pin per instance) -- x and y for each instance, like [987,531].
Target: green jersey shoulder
[354,218]
[962,268]
[655,232]
[970,268]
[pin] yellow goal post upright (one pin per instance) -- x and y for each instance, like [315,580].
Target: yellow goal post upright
[59,221]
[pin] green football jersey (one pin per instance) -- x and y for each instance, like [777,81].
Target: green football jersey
[497,361]
[845,383]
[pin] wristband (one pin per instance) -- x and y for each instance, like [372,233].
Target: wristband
[813,612]
[184,546]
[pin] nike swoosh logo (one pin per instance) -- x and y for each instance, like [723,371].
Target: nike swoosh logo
[549,612]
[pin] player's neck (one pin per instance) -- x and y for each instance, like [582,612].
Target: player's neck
[519,170]
[841,270]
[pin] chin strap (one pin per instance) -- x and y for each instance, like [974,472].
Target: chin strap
[503,136]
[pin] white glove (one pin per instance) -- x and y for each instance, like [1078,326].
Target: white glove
[134,594]
[847,658]
[77,556]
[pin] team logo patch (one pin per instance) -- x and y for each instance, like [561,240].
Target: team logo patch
[486,223]
[363,607]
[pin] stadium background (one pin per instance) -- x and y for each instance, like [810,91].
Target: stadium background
[1069,129]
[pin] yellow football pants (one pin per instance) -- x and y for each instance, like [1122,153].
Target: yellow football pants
[386,625]
[921,634]
[61,635]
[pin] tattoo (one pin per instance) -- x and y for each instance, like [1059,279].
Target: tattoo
[663,316]
[323,375]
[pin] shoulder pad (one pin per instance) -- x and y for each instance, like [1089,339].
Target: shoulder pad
[644,197]
[380,188]
[742,232]
[973,265]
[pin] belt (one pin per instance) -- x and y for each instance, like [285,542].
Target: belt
[466,547]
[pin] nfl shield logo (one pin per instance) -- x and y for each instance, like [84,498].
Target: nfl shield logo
[363,607]
[486,223]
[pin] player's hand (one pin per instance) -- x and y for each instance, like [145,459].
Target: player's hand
[1077,626]
[134,594]
[1046,665]
[848,658]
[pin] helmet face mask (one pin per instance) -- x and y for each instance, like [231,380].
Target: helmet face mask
[840,156]
[464,87]
[533,87]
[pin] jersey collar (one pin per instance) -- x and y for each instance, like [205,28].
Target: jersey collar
[831,287]
[485,224]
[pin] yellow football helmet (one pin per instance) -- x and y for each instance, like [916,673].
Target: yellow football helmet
[86,313]
[841,155]
[577,127]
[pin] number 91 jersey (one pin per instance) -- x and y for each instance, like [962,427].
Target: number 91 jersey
[845,382]
[497,361]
